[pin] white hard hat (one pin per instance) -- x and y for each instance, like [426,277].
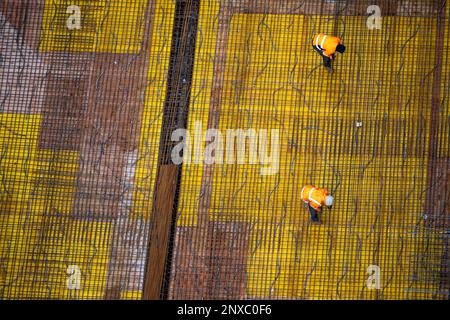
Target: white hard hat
[329,201]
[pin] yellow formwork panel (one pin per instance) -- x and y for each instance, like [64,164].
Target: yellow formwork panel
[287,263]
[130,295]
[54,181]
[18,140]
[152,115]
[105,26]
[444,130]
[38,194]
[191,177]
[199,106]
[30,176]
[44,246]
[74,249]
[270,83]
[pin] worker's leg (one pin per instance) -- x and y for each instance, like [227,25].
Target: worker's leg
[327,62]
[314,215]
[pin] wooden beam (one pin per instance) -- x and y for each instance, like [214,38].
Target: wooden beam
[160,231]
[434,119]
[168,179]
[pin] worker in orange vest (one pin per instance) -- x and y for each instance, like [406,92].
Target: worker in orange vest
[316,198]
[327,46]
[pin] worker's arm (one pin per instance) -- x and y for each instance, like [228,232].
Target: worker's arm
[319,48]
[328,54]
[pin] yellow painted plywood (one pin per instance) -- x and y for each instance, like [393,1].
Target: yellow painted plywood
[44,244]
[147,159]
[271,83]
[105,26]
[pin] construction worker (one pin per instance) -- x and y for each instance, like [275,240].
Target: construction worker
[316,198]
[327,46]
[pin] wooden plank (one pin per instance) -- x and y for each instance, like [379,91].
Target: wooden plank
[435,113]
[64,106]
[186,280]
[161,220]
[110,128]
[220,274]
[228,260]
[26,17]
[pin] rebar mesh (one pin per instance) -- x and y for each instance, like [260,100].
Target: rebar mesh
[86,117]
[81,116]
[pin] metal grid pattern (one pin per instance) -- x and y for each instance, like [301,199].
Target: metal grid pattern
[80,122]
[244,235]
[83,130]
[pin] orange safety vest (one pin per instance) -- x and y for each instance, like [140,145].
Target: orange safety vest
[326,44]
[314,196]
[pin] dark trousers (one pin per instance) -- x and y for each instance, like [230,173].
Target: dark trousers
[314,213]
[326,60]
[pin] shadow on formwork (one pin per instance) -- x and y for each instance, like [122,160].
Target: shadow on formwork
[93,205]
